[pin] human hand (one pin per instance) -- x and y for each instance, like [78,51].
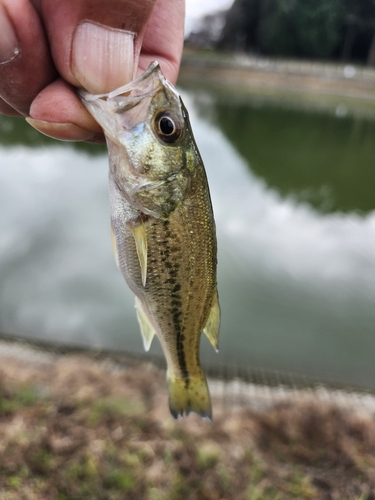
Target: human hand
[50,47]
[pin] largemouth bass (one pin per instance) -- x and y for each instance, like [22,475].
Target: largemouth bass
[163,229]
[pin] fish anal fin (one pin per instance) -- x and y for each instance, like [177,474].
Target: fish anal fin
[211,328]
[189,395]
[140,238]
[147,329]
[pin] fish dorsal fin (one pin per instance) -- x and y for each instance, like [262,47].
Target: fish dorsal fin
[114,246]
[140,238]
[147,329]
[211,328]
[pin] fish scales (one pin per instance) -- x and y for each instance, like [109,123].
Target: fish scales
[164,238]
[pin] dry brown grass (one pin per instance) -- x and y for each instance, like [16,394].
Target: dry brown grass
[74,428]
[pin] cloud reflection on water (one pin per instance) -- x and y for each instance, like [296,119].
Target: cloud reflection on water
[297,286]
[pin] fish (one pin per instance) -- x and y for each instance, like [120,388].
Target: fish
[162,227]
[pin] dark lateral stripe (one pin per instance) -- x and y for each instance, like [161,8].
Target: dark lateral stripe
[176,302]
[182,358]
[180,337]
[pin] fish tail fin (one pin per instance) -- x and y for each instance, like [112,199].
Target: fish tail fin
[189,394]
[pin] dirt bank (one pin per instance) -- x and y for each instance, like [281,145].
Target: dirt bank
[72,427]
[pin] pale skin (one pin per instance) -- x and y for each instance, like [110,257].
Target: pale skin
[48,48]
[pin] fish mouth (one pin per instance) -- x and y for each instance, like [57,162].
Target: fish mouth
[109,109]
[130,94]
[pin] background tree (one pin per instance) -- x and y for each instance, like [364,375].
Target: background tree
[320,29]
[305,29]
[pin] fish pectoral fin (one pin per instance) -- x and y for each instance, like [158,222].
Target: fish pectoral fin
[147,329]
[114,246]
[140,238]
[211,328]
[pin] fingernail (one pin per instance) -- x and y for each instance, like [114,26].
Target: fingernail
[9,44]
[102,57]
[62,131]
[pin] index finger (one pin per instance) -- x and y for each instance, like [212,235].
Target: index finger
[26,64]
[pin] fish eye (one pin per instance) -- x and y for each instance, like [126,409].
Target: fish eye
[168,126]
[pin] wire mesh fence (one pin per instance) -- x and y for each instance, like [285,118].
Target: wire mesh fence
[231,386]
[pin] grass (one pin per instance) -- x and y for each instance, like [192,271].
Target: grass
[115,408]
[102,434]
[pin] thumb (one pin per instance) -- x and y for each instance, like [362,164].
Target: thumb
[102,57]
[96,44]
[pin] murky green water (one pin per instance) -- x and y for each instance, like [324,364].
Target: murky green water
[293,193]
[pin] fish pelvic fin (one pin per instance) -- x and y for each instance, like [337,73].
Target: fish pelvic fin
[140,238]
[211,328]
[147,329]
[190,394]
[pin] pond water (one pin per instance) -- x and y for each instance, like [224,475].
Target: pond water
[293,194]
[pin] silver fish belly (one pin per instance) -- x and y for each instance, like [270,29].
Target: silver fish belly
[163,230]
